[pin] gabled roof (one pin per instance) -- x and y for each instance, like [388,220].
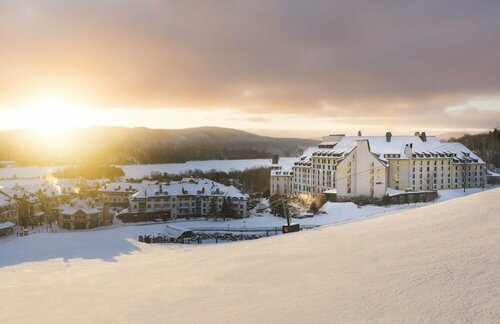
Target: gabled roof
[77,204]
[174,231]
[123,187]
[397,145]
[5,200]
[190,186]
[6,225]
[379,145]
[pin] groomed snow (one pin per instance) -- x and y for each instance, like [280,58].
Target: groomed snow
[438,263]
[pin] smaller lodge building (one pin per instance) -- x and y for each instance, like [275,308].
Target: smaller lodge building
[80,214]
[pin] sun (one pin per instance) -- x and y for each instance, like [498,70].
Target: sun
[51,116]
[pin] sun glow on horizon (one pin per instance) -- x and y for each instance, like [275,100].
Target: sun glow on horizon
[49,115]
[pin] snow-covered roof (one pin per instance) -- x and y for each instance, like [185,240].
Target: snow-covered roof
[380,146]
[49,188]
[125,186]
[285,166]
[397,145]
[76,204]
[394,192]
[5,200]
[190,186]
[493,174]
[174,231]
[6,225]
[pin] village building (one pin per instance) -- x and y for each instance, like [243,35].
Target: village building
[81,214]
[118,193]
[368,166]
[189,197]
[28,205]
[8,209]
[47,197]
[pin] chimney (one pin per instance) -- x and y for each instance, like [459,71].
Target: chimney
[388,136]
[276,159]
[423,137]
[417,134]
[359,133]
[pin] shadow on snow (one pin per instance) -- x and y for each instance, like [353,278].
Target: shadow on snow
[104,245]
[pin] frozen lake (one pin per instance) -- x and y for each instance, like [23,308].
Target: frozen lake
[141,170]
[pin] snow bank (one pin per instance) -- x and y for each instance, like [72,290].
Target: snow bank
[438,263]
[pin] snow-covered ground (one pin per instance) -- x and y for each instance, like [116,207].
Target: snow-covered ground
[438,263]
[141,170]
[107,242]
[138,171]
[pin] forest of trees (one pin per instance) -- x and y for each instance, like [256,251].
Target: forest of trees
[486,145]
[226,210]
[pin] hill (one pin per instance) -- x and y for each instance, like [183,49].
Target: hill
[121,145]
[432,264]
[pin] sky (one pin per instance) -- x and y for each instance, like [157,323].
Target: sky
[275,67]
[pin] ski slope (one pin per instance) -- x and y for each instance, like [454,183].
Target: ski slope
[438,263]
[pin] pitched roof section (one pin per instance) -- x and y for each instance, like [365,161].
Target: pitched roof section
[190,186]
[397,144]
[77,204]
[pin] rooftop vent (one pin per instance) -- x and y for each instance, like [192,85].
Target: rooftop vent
[388,136]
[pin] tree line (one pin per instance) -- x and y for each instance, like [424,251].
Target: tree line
[90,172]
[486,145]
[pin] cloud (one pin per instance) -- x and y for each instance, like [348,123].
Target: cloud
[401,61]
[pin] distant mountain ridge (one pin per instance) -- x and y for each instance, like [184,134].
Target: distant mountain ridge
[121,145]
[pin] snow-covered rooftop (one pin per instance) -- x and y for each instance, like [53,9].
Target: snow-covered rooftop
[130,187]
[6,225]
[190,186]
[380,145]
[174,231]
[76,204]
[5,200]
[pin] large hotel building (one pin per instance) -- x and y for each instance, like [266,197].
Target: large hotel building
[372,166]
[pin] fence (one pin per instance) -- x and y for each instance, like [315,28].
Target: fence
[216,234]
[244,229]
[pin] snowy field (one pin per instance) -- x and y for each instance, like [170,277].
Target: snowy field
[138,171]
[141,170]
[439,263]
[107,242]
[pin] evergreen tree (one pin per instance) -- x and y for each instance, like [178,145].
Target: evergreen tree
[313,207]
[276,203]
[386,200]
[322,201]
[213,209]
[227,209]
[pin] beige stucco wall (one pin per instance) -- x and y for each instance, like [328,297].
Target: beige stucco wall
[362,172]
